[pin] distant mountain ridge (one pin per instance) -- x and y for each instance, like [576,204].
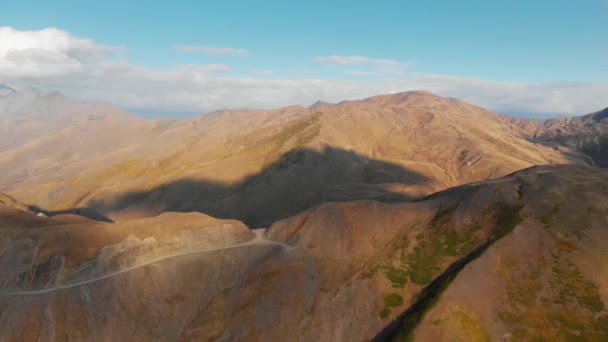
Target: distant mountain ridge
[29,114]
[405,216]
[587,133]
[244,155]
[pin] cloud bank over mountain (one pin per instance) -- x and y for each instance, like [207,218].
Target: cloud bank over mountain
[52,58]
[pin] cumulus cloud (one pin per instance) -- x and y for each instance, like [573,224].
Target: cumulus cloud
[137,87]
[514,97]
[52,59]
[373,66]
[46,52]
[356,60]
[363,73]
[212,50]
[261,72]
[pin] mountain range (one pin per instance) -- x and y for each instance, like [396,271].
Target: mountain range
[396,217]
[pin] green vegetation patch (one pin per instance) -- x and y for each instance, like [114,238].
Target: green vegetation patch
[422,264]
[574,285]
[429,296]
[392,300]
[468,325]
[507,218]
[553,302]
[457,243]
[441,217]
[397,276]
[424,261]
[385,312]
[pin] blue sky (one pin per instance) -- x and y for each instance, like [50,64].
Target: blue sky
[553,45]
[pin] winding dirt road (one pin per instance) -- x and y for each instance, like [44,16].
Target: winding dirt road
[258,240]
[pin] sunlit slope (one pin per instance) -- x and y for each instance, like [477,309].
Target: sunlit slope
[547,280]
[389,148]
[339,271]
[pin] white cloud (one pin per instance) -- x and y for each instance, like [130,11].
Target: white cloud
[46,52]
[52,59]
[357,60]
[514,97]
[212,50]
[204,69]
[373,66]
[363,73]
[180,90]
[261,72]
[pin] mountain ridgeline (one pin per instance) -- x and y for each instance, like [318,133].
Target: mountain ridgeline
[587,134]
[399,217]
[407,145]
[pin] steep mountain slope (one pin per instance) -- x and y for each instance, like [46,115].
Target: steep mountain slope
[449,140]
[43,133]
[340,271]
[260,166]
[545,281]
[44,170]
[587,133]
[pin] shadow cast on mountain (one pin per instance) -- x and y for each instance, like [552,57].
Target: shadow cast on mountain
[300,179]
[89,213]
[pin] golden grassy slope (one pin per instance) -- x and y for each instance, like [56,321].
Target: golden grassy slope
[446,141]
[349,269]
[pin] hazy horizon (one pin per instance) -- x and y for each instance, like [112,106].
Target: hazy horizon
[518,57]
[169,114]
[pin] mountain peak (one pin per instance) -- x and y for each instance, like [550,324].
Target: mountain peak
[411,94]
[318,105]
[401,97]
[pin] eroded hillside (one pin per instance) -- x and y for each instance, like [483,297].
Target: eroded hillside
[260,166]
[479,254]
